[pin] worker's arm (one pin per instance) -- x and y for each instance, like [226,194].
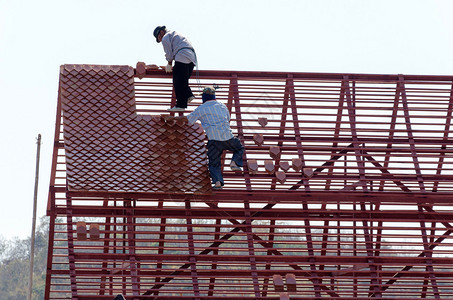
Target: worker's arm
[166,43]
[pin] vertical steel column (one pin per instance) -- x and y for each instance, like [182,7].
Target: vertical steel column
[56,146]
[123,247]
[354,237]
[130,221]
[269,252]
[107,236]
[311,254]
[116,246]
[448,119]
[160,251]
[375,285]
[50,247]
[105,251]
[71,254]
[237,109]
[230,97]
[378,241]
[428,253]
[51,199]
[218,223]
[192,257]
[325,238]
[377,246]
[251,250]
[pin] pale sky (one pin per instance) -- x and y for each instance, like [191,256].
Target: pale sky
[338,36]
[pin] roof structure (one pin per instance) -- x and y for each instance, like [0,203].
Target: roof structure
[109,147]
[346,191]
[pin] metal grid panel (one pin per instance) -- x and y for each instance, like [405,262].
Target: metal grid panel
[347,186]
[353,132]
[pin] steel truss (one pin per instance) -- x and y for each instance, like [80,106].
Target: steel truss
[346,194]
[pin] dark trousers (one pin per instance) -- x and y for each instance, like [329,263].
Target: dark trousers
[215,150]
[181,75]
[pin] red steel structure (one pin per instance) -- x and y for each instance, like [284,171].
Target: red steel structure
[346,191]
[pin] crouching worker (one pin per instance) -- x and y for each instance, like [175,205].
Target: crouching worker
[215,120]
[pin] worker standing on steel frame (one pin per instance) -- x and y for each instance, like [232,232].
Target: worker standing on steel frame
[215,120]
[178,48]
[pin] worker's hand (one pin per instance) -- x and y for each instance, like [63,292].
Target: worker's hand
[168,68]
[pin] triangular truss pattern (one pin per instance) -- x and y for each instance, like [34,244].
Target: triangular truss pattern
[346,191]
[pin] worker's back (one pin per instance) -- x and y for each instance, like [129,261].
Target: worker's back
[214,118]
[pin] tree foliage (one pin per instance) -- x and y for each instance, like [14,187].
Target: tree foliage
[15,265]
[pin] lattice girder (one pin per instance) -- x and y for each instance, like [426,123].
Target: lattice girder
[346,191]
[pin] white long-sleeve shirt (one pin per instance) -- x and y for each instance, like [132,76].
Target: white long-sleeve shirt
[174,43]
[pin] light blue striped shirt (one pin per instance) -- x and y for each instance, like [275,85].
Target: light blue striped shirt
[215,120]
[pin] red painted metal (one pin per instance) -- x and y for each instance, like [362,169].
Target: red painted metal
[364,210]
